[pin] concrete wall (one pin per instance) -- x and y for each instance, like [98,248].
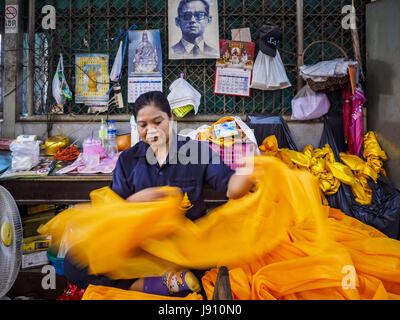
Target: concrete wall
[307,132]
[383,79]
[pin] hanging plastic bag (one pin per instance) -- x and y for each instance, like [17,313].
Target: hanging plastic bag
[116,68]
[269,73]
[307,104]
[183,98]
[60,87]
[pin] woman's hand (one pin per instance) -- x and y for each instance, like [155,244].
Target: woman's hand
[242,181]
[147,195]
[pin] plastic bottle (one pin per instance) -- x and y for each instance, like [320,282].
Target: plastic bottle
[103,132]
[111,139]
[134,132]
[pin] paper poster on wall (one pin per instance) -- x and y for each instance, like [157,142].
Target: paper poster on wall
[92,79]
[234,69]
[144,63]
[145,53]
[193,31]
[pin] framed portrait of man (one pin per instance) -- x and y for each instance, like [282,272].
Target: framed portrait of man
[193,31]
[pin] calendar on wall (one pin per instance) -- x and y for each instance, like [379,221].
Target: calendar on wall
[233,69]
[232,82]
[144,63]
[140,85]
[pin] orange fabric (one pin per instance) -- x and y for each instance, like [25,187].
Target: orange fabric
[107,293]
[104,234]
[278,242]
[321,163]
[297,269]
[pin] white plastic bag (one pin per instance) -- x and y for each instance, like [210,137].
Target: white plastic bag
[25,155]
[116,68]
[60,88]
[307,104]
[269,73]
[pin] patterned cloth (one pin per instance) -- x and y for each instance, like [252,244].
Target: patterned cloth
[233,156]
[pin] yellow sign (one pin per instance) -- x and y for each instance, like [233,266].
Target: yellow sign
[92,79]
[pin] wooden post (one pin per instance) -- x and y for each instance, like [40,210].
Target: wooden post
[222,288]
[300,40]
[31,57]
[13,69]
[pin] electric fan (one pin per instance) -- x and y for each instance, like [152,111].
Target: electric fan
[11,240]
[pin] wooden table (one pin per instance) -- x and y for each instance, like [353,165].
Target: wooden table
[70,189]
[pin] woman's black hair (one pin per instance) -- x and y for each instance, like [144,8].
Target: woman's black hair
[152,98]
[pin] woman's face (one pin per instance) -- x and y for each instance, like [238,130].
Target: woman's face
[153,125]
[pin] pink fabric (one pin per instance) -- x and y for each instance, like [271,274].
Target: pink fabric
[106,165]
[347,108]
[93,147]
[234,155]
[356,123]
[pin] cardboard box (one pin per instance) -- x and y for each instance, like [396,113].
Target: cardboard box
[36,243]
[31,224]
[34,259]
[42,208]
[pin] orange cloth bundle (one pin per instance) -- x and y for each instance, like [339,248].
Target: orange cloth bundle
[354,171]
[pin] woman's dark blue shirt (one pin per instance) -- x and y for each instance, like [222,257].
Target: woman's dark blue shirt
[188,166]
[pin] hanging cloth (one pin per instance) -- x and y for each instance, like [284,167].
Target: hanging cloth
[347,109]
[356,122]
[183,97]
[120,57]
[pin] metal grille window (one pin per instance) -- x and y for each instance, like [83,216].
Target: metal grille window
[89,26]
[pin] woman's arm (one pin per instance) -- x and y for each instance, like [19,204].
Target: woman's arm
[147,195]
[239,184]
